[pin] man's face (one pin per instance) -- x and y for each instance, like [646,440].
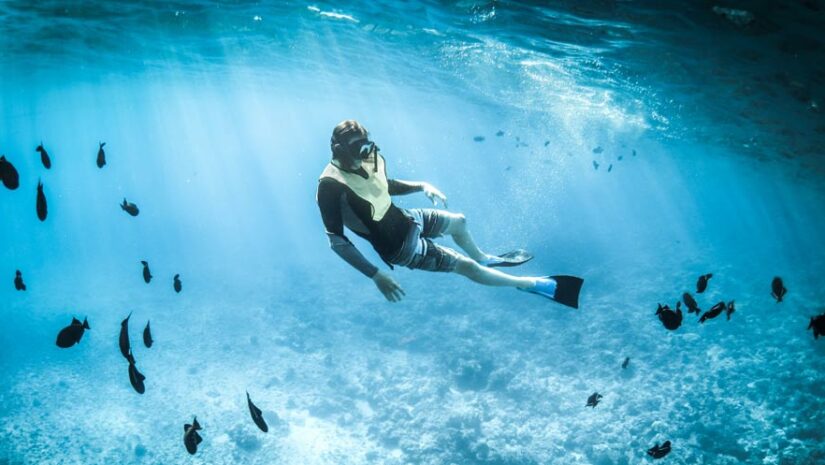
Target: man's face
[359,146]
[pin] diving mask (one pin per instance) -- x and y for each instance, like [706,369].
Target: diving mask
[362,149]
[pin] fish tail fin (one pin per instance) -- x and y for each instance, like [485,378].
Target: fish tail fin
[86,323]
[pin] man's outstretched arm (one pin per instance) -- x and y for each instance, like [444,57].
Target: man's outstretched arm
[347,250]
[329,202]
[399,187]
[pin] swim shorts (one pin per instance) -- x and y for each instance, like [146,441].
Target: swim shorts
[419,252]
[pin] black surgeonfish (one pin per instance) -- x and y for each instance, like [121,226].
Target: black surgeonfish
[130,208]
[593,400]
[702,282]
[817,324]
[176,283]
[257,415]
[778,290]
[690,302]
[71,335]
[147,275]
[626,362]
[135,377]
[42,209]
[191,438]
[714,311]
[658,451]
[670,319]
[44,156]
[18,281]
[123,340]
[101,156]
[8,174]
[730,309]
[147,336]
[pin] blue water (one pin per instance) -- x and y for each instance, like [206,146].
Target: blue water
[217,117]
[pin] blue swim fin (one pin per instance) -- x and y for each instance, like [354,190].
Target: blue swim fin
[561,288]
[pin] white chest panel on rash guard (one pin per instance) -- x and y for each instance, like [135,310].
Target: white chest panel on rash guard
[374,189]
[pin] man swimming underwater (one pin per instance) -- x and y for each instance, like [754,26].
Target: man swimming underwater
[358,197]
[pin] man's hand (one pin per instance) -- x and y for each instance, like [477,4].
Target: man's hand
[432,193]
[391,290]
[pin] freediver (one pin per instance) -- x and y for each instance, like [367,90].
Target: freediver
[354,191]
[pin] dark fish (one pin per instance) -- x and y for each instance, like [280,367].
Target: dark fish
[44,156]
[101,156]
[42,209]
[18,281]
[595,165]
[634,152]
[670,319]
[730,309]
[478,138]
[257,415]
[598,149]
[499,133]
[136,378]
[130,208]
[610,168]
[702,282]
[8,174]
[817,324]
[191,438]
[123,340]
[71,335]
[690,302]
[593,400]
[620,157]
[714,311]
[658,451]
[176,283]
[147,276]
[778,290]
[546,143]
[147,336]
[626,362]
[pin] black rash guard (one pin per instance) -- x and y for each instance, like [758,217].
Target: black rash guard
[340,206]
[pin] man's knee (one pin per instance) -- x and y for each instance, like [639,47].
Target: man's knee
[458,224]
[467,267]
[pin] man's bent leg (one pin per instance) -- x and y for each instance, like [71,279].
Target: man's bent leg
[490,276]
[457,228]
